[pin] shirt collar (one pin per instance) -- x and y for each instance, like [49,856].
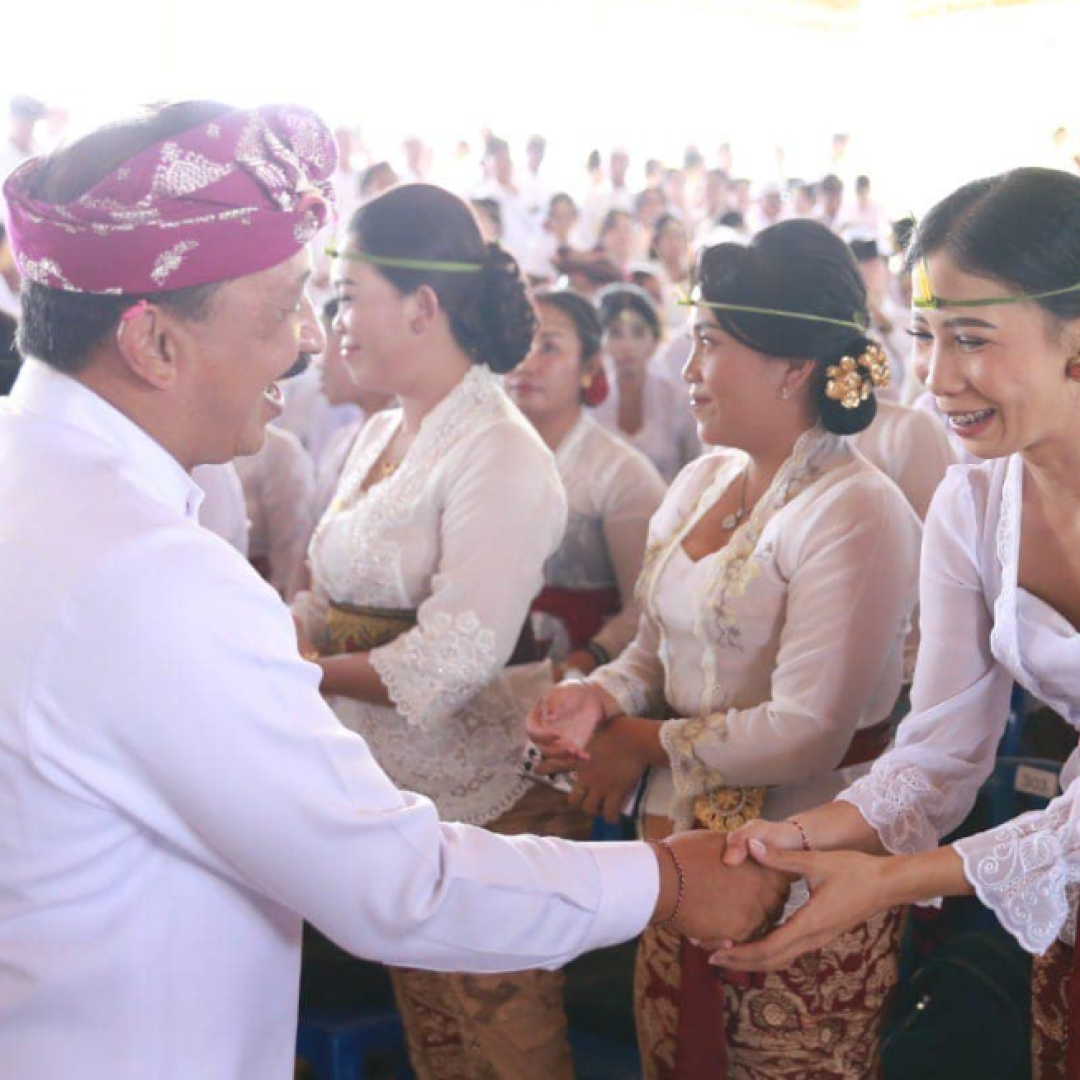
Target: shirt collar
[42,391]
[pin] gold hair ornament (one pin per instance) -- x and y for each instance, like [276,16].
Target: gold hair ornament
[855,378]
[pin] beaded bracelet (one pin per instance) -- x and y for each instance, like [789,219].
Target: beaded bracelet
[681,892]
[802,833]
[597,652]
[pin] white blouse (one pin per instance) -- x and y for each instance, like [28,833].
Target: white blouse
[223,510]
[279,492]
[668,435]
[332,464]
[911,448]
[459,533]
[773,650]
[613,492]
[980,631]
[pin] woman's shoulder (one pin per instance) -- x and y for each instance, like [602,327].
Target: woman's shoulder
[615,470]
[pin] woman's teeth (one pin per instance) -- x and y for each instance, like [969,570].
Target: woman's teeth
[970,419]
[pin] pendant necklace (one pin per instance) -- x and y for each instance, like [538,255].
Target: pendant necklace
[734,520]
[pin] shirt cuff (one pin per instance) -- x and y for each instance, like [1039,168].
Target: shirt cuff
[629,890]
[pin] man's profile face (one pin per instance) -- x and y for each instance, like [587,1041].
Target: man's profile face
[256,329]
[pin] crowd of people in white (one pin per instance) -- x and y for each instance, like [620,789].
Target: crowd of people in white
[640,473]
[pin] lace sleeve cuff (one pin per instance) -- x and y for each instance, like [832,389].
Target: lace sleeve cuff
[894,802]
[1028,873]
[434,670]
[633,697]
[681,740]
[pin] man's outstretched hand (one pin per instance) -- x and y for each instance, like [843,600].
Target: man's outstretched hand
[720,903]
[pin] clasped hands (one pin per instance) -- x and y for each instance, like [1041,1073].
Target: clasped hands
[721,904]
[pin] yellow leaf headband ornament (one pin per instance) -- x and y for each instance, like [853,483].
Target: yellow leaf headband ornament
[855,378]
[923,294]
[400,262]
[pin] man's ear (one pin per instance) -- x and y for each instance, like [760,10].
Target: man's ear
[144,340]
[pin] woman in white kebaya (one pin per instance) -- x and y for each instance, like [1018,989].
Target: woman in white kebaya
[776,595]
[587,613]
[670,249]
[644,408]
[423,569]
[997,321]
[341,386]
[911,448]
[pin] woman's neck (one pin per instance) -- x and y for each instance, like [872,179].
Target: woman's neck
[553,429]
[443,373]
[766,461]
[1054,468]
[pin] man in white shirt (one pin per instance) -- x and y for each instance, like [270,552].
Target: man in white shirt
[175,796]
[519,227]
[536,192]
[24,113]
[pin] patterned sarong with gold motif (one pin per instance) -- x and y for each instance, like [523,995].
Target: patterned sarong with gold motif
[817,1019]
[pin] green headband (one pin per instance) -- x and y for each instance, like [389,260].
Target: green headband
[926,300]
[923,292]
[695,300]
[396,262]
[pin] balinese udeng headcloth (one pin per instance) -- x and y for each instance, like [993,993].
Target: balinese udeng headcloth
[238,194]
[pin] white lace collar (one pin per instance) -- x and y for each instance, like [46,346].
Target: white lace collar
[815,451]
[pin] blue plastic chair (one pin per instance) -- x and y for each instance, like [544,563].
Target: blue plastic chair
[336,1044]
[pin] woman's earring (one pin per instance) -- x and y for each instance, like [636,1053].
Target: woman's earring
[785,393]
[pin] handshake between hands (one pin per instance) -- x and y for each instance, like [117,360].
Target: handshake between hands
[734,885]
[713,902]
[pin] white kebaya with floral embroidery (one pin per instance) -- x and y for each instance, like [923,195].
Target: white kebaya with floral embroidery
[980,631]
[771,652]
[459,533]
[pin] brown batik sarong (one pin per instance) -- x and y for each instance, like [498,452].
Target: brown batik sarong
[494,1027]
[818,1019]
[1053,991]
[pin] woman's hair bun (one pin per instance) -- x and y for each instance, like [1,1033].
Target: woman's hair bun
[505,320]
[835,416]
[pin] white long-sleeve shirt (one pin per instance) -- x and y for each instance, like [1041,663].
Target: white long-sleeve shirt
[175,795]
[980,631]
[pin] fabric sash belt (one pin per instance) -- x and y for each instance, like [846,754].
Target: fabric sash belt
[582,611]
[351,628]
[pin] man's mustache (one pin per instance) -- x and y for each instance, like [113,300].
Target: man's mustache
[302,363]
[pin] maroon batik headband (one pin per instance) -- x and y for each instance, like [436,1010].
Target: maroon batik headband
[236,195]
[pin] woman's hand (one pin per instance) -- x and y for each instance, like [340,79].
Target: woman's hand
[564,719]
[780,835]
[304,644]
[846,888]
[580,660]
[617,760]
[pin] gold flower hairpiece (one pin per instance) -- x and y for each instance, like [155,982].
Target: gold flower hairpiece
[855,378]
